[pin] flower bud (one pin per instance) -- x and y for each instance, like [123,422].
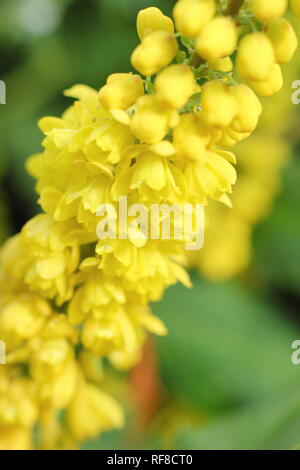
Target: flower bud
[151,20]
[175,85]
[155,52]
[249,109]
[151,121]
[121,91]
[271,85]
[217,39]
[283,38]
[219,106]
[192,15]
[255,57]
[191,138]
[222,65]
[267,10]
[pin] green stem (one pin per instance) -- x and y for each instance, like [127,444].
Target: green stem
[234,7]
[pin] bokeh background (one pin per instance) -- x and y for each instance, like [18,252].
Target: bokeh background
[223,377]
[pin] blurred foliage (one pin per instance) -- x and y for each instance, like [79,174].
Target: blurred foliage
[45,47]
[228,353]
[276,241]
[272,425]
[225,366]
[237,344]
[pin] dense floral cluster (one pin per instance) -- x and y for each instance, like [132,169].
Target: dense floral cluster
[228,237]
[260,163]
[69,299]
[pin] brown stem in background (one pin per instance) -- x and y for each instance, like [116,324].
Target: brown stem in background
[146,385]
[234,7]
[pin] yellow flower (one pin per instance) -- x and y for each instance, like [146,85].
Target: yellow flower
[40,258]
[151,20]
[217,39]
[153,176]
[103,304]
[92,411]
[175,85]
[266,10]
[120,334]
[15,438]
[156,51]
[146,270]
[213,178]
[121,91]
[192,15]
[114,335]
[17,406]
[80,201]
[92,366]
[18,410]
[94,297]
[271,85]
[260,182]
[219,105]
[152,120]
[226,256]
[231,137]
[54,370]
[86,134]
[227,247]
[21,317]
[255,57]
[191,138]
[52,435]
[249,109]
[245,120]
[283,38]
[223,65]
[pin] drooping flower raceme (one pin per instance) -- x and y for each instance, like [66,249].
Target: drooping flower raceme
[162,135]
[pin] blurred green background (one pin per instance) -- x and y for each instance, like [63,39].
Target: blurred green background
[225,368]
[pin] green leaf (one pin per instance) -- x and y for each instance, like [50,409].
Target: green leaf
[276,240]
[225,347]
[270,425]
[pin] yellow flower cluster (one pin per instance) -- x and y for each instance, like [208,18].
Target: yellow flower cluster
[69,299]
[228,238]
[258,184]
